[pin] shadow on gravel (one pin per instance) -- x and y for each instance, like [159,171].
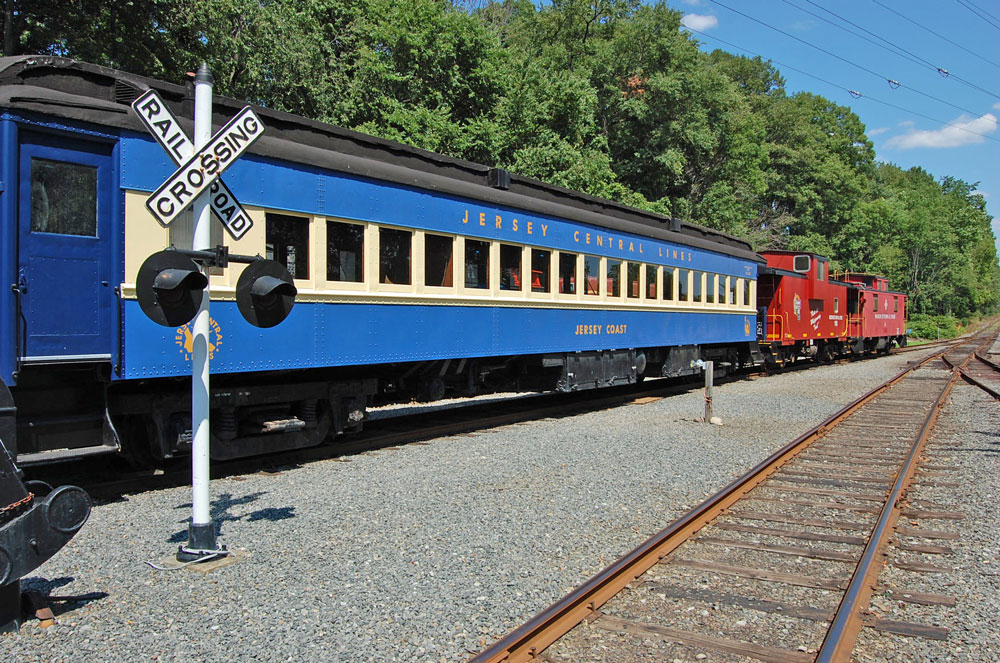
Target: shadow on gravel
[220,513]
[59,604]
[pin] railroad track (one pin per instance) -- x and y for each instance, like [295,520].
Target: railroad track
[780,565]
[108,480]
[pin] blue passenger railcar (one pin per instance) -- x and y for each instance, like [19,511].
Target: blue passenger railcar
[417,274]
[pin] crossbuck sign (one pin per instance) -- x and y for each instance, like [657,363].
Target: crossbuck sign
[199,169]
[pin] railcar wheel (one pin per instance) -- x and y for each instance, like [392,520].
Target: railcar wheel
[431,390]
[140,442]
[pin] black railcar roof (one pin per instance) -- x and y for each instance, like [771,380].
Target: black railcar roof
[91,93]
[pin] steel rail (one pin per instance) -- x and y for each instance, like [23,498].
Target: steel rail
[992,364]
[843,633]
[532,638]
[973,380]
[978,383]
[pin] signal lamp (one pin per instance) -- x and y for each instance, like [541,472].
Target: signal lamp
[265,293]
[170,287]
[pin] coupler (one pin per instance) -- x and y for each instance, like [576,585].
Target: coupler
[35,523]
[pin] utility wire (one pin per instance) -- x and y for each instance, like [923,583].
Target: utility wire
[970,3]
[892,82]
[853,93]
[903,16]
[977,13]
[913,57]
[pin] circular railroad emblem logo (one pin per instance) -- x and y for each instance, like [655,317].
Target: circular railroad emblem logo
[185,339]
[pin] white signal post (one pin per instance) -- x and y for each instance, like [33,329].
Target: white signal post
[202,535]
[197,183]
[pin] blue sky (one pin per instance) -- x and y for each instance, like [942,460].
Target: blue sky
[946,124]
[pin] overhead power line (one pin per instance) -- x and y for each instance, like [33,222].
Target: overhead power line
[978,12]
[907,18]
[888,45]
[972,4]
[893,83]
[853,93]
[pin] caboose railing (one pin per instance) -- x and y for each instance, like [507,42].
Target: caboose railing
[776,325]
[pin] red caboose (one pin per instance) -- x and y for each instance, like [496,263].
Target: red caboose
[877,314]
[803,312]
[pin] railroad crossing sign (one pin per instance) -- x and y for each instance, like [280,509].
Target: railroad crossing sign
[198,169]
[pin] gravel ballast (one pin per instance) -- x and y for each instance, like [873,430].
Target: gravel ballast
[422,553]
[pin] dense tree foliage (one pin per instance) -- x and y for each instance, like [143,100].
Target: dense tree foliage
[610,97]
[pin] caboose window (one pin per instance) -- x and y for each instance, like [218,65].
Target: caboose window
[287,240]
[63,198]
[651,272]
[592,275]
[567,273]
[394,250]
[632,290]
[614,279]
[895,304]
[345,243]
[477,264]
[836,304]
[510,267]
[800,264]
[874,303]
[540,261]
[683,285]
[668,283]
[820,270]
[439,252]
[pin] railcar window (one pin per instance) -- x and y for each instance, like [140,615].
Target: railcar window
[683,285]
[651,272]
[567,273]
[287,240]
[394,251]
[345,244]
[668,283]
[510,267]
[632,288]
[875,304]
[746,293]
[836,304]
[820,270]
[732,289]
[63,198]
[477,264]
[439,255]
[614,278]
[592,275]
[540,261]
[895,304]
[699,279]
[721,283]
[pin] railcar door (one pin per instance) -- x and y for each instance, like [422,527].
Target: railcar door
[64,249]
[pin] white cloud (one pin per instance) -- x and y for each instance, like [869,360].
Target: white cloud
[876,132]
[699,21]
[997,105]
[963,131]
